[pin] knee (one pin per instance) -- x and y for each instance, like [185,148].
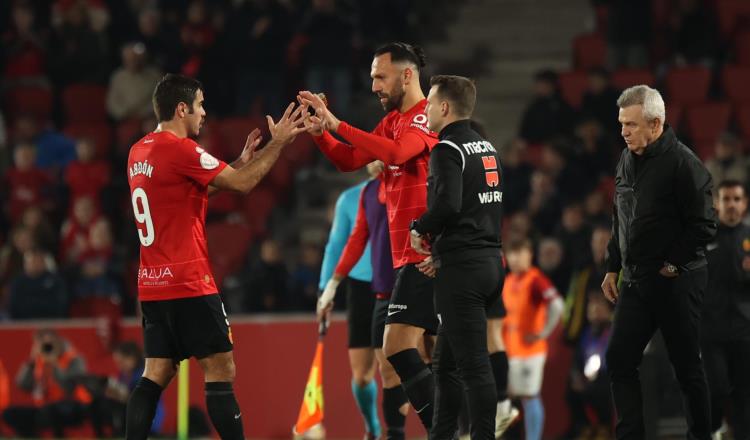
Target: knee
[160,372]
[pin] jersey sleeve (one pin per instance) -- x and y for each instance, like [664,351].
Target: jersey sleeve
[412,141]
[542,289]
[343,156]
[357,242]
[192,161]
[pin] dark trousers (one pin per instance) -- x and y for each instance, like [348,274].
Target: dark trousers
[27,421]
[463,292]
[672,305]
[728,373]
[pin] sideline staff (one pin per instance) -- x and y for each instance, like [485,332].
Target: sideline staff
[463,222]
[663,220]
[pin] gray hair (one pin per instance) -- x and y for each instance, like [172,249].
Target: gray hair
[650,99]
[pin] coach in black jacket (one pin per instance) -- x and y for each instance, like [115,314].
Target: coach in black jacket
[462,222]
[663,220]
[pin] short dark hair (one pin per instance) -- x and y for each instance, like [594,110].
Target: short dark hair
[731,183]
[171,90]
[458,90]
[401,52]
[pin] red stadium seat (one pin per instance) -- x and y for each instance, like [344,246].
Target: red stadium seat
[572,86]
[705,122]
[300,152]
[228,244]
[688,85]
[742,118]
[99,132]
[232,134]
[258,207]
[224,202]
[732,15]
[589,50]
[674,115]
[85,103]
[736,83]
[94,307]
[126,132]
[622,79]
[36,101]
[742,48]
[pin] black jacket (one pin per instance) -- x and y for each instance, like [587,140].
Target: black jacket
[663,210]
[464,196]
[726,304]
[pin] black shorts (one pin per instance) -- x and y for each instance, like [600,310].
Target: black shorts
[496,310]
[378,322]
[412,300]
[360,302]
[187,327]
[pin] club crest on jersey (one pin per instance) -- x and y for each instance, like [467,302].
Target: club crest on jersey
[144,168]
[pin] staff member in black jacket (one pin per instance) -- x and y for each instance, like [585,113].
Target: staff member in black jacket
[663,220]
[462,223]
[725,332]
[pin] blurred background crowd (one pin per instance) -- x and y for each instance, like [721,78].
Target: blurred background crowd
[77,78]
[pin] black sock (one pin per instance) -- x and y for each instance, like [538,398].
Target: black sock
[393,399]
[418,383]
[141,409]
[224,411]
[499,362]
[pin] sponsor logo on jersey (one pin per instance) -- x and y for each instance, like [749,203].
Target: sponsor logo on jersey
[144,168]
[478,147]
[490,197]
[419,122]
[154,276]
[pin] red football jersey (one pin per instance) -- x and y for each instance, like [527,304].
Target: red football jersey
[405,177]
[169,179]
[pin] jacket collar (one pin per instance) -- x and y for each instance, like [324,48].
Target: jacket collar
[454,127]
[661,144]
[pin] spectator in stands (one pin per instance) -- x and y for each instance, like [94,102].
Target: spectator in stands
[588,387]
[38,292]
[260,30]
[516,176]
[22,52]
[76,231]
[692,31]
[306,277]
[326,42]
[568,175]
[11,257]
[44,237]
[543,204]
[519,227]
[266,287]
[86,176]
[550,260]
[162,46]
[197,36]
[595,153]
[596,207]
[574,235]
[600,101]
[628,33]
[728,162]
[547,115]
[79,51]
[94,279]
[51,377]
[131,86]
[584,280]
[25,185]
[108,409]
[53,150]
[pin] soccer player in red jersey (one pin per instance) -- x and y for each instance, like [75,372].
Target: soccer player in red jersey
[403,142]
[170,179]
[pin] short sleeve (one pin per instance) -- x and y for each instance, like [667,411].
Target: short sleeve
[192,161]
[542,288]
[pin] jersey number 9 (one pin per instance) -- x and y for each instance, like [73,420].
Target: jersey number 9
[143,215]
